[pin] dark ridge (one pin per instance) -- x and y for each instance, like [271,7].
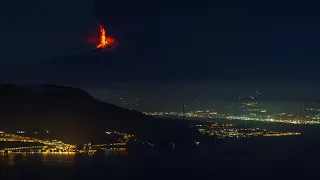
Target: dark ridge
[72,115]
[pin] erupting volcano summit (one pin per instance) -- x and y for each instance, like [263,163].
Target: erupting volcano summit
[106,42]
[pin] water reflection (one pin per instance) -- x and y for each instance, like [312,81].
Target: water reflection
[61,158]
[36,158]
[11,160]
[116,151]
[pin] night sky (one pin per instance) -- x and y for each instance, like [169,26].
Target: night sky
[195,52]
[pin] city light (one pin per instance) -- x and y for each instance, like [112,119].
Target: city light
[244,117]
[119,140]
[230,131]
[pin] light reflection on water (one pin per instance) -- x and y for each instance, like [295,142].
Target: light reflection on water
[36,158]
[68,159]
[116,151]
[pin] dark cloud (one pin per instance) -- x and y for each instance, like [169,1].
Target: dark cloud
[41,30]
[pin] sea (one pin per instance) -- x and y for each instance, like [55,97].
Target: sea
[288,157]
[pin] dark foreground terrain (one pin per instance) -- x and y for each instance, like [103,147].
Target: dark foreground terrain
[73,116]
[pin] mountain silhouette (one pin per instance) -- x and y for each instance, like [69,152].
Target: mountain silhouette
[72,115]
[107,67]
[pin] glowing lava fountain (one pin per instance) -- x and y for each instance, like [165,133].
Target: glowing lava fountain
[106,42]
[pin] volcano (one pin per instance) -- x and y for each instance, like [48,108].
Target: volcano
[106,42]
[93,67]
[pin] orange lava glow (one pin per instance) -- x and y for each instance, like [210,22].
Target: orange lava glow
[105,41]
